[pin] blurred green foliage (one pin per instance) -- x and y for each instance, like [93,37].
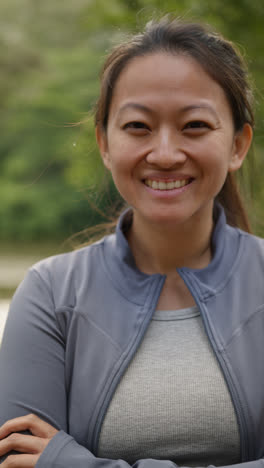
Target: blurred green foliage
[50,56]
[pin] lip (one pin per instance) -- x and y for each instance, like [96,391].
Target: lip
[167,177]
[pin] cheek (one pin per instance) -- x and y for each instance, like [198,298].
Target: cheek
[124,187]
[214,164]
[119,165]
[123,157]
[119,168]
[216,153]
[218,175]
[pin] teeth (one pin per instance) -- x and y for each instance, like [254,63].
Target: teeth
[162,185]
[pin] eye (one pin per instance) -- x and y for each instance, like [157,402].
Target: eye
[196,125]
[136,126]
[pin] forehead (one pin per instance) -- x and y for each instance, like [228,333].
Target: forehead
[163,76]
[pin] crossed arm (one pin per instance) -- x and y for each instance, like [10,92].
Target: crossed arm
[33,406]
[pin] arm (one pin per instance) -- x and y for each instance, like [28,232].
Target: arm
[32,357]
[61,450]
[32,381]
[64,452]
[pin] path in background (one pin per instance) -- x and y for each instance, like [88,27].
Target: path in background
[15,260]
[3,316]
[13,269]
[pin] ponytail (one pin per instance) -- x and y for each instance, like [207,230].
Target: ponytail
[231,200]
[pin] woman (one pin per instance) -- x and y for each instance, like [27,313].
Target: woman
[144,348]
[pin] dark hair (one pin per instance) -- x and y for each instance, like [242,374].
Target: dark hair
[218,57]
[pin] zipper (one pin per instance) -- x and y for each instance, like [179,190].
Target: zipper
[154,293]
[244,440]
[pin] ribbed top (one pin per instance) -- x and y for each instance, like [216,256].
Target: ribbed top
[172,402]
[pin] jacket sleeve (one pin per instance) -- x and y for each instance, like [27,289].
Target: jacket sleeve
[33,378]
[32,357]
[64,452]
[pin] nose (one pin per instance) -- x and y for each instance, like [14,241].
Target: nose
[166,150]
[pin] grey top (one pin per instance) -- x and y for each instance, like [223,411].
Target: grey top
[172,402]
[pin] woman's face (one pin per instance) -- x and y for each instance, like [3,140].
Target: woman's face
[170,139]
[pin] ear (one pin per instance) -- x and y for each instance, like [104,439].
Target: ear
[241,145]
[101,139]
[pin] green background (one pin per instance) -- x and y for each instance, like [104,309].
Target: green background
[51,52]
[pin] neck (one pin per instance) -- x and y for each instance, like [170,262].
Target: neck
[161,249]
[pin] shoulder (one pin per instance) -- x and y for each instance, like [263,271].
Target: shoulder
[67,263]
[251,252]
[65,277]
[253,242]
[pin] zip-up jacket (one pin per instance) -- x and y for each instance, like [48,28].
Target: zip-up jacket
[78,318]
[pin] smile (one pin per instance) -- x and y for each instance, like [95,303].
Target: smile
[162,185]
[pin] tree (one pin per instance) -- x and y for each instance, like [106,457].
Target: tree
[50,57]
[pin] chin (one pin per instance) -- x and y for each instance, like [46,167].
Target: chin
[167,219]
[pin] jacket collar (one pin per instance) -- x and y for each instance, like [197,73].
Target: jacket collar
[226,245]
[133,283]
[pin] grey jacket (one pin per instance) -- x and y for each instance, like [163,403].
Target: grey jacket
[77,319]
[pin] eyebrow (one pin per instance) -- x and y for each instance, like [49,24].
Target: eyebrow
[137,106]
[141,107]
[200,106]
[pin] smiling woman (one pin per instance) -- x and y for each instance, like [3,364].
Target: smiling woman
[144,348]
[170,122]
